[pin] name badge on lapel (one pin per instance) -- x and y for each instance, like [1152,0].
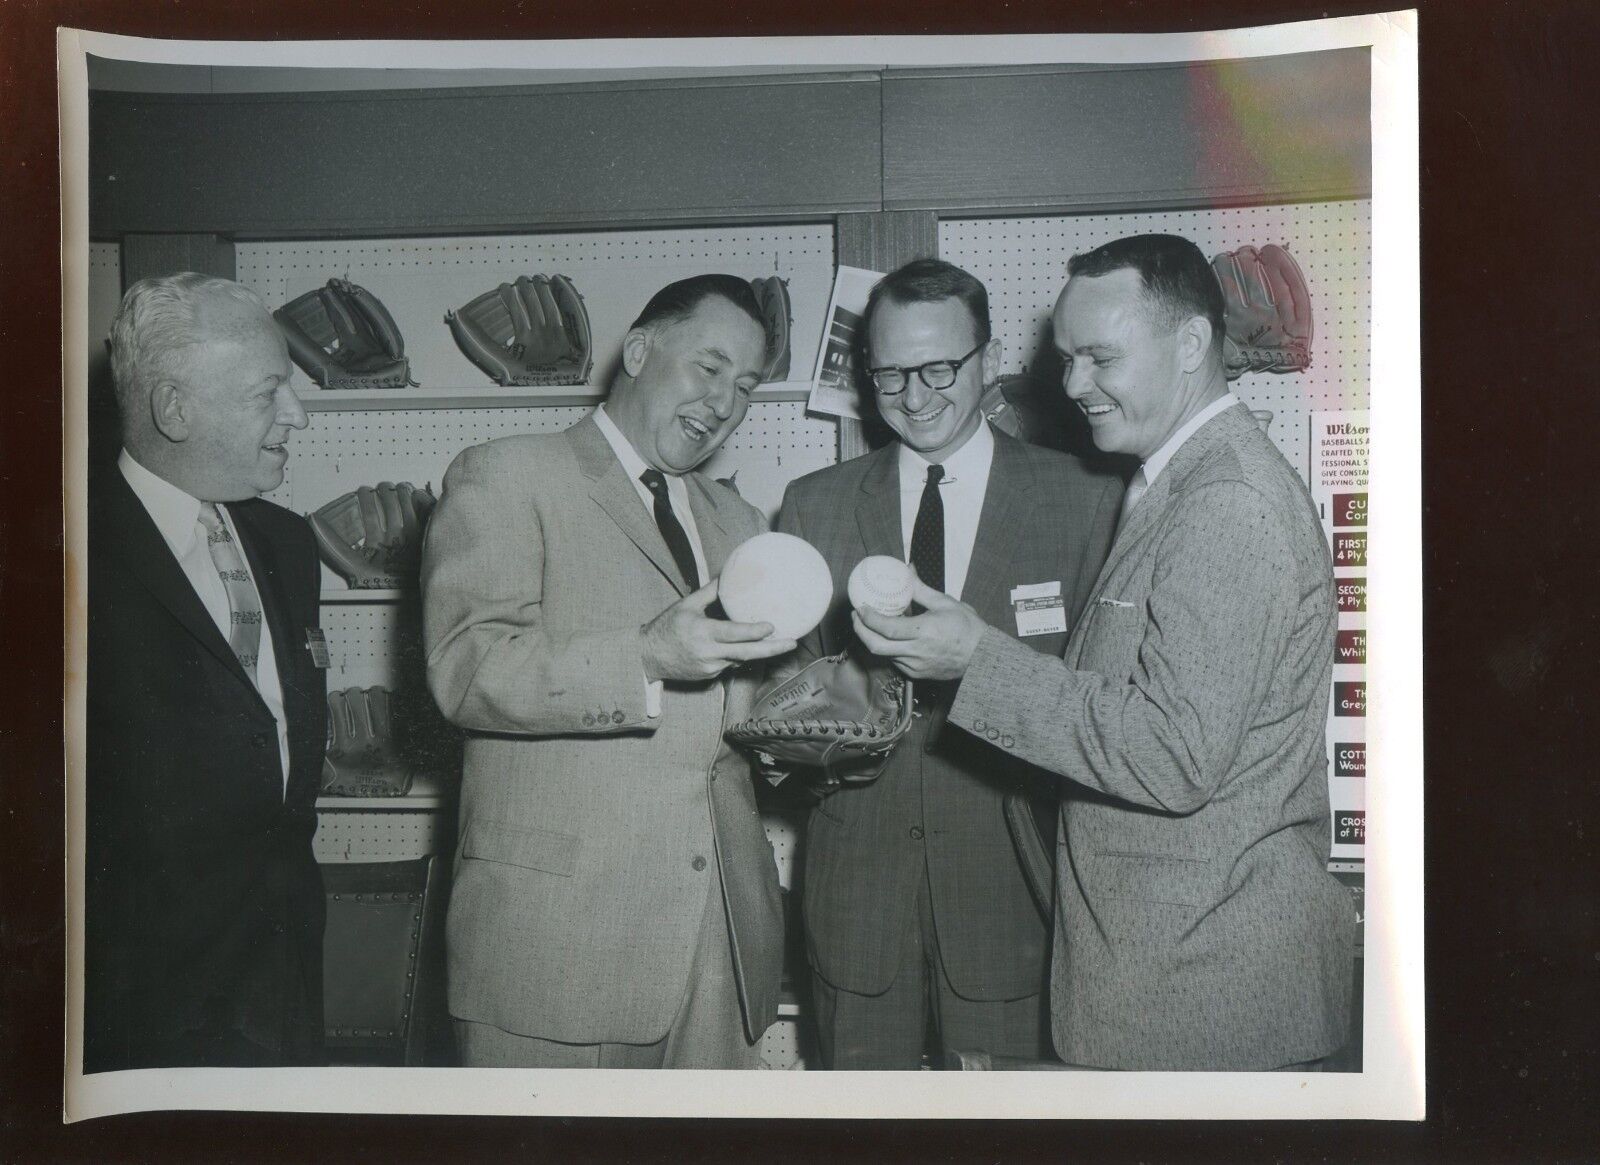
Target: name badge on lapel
[317,645]
[1039,609]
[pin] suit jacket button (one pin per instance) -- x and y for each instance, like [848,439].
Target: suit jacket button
[993,734]
[1007,741]
[588,719]
[699,862]
[978,726]
[616,717]
[916,833]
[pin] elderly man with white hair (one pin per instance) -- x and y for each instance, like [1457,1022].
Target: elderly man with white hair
[206,708]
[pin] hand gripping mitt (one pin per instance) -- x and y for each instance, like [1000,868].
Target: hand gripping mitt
[343,337]
[531,332]
[1268,311]
[372,536]
[836,714]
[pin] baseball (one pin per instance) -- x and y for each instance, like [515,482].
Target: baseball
[885,584]
[777,579]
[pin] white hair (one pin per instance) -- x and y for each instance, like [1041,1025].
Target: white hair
[158,322]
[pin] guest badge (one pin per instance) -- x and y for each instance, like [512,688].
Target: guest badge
[1039,609]
[317,644]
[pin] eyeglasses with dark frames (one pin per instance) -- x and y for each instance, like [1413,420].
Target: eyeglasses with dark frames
[938,375]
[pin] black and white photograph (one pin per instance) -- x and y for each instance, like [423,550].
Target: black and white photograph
[849,561]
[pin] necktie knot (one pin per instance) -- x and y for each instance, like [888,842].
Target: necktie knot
[935,475]
[654,481]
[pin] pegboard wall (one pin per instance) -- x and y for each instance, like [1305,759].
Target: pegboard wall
[418,280]
[1023,263]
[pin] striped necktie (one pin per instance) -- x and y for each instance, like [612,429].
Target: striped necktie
[244,621]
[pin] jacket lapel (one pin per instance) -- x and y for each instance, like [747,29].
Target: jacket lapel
[149,559]
[878,504]
[1000,524]
[615,494]
[1216,432]
[716,543]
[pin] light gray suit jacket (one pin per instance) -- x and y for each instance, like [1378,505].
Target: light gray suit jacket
[1197,926]
[590,834]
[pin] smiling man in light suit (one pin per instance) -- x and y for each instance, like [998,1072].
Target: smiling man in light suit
[1197,926]
[616,901]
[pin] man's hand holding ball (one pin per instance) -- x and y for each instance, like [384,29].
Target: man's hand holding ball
[935,645]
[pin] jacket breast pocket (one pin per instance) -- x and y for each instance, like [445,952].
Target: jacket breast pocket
[1110,644]
[1173,881]
[530,849]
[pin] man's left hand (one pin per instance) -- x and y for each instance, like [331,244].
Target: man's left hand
[935,645]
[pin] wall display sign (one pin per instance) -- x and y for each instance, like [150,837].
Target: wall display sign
[833,384]
[1338,479]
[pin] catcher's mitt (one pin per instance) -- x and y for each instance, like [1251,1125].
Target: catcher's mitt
[772,294]
[836,714]
[1268,311]
[364,758]
[373,534]
[344,337]
[534,331]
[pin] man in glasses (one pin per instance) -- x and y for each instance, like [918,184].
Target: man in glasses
[916,907]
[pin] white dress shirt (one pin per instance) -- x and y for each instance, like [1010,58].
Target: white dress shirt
[966,480]
[634,466]
[177,516]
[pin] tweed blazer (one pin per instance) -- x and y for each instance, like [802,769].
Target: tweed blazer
[938,804]
[203,931]
[588,830]
[1197,926]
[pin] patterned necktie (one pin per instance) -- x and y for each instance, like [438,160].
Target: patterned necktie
[677,541]
[1136,488]
[927,535]
[244,621]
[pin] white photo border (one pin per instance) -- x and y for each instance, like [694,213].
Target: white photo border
[1391,1084]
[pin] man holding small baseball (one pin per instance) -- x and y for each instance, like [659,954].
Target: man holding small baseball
[616,901]
[1197,926]
[915,905]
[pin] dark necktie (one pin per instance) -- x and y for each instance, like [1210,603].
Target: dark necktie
[671,530]
[927,535]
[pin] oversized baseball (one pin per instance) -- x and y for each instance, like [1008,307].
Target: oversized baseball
[885,584]
[777,579]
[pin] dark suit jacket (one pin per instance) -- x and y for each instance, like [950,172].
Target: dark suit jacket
[1045,518]
[204,902]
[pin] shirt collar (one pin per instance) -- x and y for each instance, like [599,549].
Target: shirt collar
[972,460]
[1157,461]
[632,464]
[173,511]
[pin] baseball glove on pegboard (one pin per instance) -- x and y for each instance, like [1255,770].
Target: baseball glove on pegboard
[344,337]
[364,757]
[531,332]
[836,714]
[1268,311]
[373,535]
[772,294]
